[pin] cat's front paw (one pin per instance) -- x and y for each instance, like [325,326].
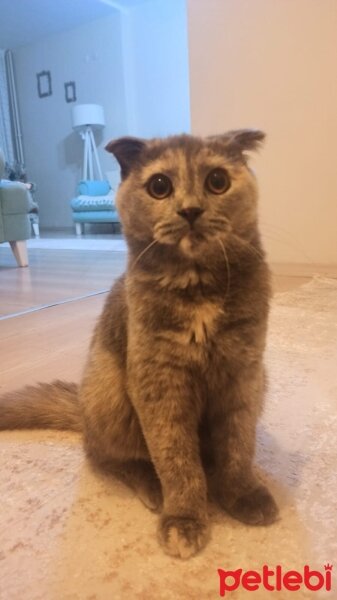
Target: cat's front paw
[256,507]
[183,536]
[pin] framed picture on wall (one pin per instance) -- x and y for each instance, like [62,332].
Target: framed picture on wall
[70,91]
[44,88]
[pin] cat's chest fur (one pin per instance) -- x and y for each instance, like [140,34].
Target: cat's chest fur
[199,309]
[201,322]
[180,309]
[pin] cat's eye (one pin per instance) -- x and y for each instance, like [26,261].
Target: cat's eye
[217,181]
[159,186]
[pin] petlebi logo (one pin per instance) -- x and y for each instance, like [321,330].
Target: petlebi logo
[275,579]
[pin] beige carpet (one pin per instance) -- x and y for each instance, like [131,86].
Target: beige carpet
[67,533]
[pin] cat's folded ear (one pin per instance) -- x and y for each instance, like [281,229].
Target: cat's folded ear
[238,141]
[127,151]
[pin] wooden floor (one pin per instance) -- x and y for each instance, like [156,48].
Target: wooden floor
[55,276]
[52,342]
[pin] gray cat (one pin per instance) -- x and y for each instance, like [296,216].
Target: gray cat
[174,382]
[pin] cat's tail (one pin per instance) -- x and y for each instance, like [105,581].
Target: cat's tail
[44,406]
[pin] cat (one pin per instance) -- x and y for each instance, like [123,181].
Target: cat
[174,382]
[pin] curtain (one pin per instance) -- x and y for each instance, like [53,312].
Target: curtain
[6,140]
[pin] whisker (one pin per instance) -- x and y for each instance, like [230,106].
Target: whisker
[220,224]
[227,266]
[213,229]
[168,228]
[218,220]
[248,245]
[143,252]
[293,245]
[275,228]
[284,237]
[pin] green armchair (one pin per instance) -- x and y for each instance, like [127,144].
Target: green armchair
[15,204]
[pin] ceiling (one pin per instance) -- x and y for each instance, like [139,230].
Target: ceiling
[25,21]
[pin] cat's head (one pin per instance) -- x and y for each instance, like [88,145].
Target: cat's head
[186,191]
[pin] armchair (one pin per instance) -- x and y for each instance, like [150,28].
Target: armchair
[15,204]
[95,202]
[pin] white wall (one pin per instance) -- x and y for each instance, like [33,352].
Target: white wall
[91,55]
[272,64]
[135,64]
[156,68]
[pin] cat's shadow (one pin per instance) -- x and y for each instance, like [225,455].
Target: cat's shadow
[108,526]
[278,469]
[283,466]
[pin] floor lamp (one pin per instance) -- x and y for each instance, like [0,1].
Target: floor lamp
[86,118]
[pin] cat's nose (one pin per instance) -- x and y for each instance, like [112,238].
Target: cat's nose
[191,213]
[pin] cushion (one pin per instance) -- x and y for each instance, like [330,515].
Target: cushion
[15,198]
[82,203]
[113,178]
[99,216]
[93,188]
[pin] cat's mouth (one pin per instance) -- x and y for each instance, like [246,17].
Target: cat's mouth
[194,242]
[191,239]
[195,236]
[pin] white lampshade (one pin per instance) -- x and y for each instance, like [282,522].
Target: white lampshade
[87,114]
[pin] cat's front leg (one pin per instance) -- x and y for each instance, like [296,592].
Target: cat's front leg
[233,416]
[163,399]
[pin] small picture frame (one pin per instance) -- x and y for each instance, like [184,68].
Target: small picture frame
[70,91]
[44,88]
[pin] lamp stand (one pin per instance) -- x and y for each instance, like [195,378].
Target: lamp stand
[90,159]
